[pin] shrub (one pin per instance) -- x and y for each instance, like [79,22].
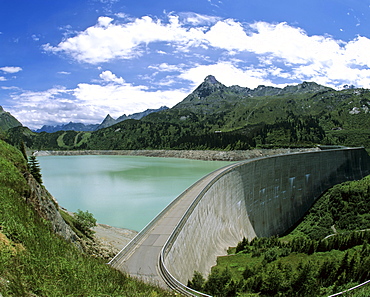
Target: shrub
[84,222]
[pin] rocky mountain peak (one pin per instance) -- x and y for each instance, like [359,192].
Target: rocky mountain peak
[211,79]
[209,86]
[108,118]
[306,87]
[108,121]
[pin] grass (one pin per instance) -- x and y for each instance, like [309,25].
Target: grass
[36,262]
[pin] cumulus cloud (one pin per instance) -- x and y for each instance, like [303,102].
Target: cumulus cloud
[87,103]
[35,109]
[106,41]
[319,58]
[104,21]
[108,76]
[10,69]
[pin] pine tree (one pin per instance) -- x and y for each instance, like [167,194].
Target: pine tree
[197,283]
[35,168]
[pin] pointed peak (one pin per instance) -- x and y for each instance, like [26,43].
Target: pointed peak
[209,86]
[108,117]
[211,79]
[108,121]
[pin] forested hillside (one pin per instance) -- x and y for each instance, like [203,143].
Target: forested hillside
[34,261]
[230,118]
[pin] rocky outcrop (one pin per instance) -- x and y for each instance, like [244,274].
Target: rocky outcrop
[106,242]
[47,207]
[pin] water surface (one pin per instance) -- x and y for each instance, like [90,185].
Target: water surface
[121,191]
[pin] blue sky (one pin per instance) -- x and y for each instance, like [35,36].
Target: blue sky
[78,60]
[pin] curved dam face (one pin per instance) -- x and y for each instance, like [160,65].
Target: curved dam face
[259,197]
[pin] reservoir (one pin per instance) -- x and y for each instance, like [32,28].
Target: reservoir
[121,191]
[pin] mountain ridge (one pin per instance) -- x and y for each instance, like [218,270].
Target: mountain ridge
[211,86]
[107,122]
[217,117]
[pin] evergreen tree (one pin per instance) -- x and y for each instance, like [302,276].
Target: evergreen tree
[197,282]
[35,168]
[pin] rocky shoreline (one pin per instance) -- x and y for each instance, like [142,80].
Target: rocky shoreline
[206,155]
[111,240]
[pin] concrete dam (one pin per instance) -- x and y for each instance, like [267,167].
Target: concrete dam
[257,197]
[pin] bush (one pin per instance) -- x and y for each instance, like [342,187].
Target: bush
[84,222]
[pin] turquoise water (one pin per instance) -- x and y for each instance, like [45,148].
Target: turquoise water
[121,191]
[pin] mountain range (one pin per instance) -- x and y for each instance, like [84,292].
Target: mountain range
[108,121]
[215,116]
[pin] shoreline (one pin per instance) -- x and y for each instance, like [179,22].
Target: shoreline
[205,155]
[111,238]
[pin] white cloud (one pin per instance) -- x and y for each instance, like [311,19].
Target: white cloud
[228,35]
[104,21]
[304,56]
[35,37]
[35,109]
[196,19]
[121,15]
[106,41]
[10,69]
[228,74]
[108,76]
[9,88]
[87,103]
[125,98]
[165,67]
[2,78]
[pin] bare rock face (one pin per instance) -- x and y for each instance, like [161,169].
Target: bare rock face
[47,208]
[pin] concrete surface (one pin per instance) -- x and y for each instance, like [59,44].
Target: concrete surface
[258,197]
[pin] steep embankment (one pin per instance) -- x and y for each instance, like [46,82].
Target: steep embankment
[206,155]
[35,257]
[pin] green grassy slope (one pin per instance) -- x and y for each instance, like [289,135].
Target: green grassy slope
[7,121]
[36,262]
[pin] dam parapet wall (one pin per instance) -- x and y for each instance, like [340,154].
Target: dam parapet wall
[259,197]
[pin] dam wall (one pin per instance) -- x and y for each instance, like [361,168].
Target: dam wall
[258,197]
